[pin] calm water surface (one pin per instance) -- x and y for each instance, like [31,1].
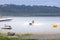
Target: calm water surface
[42,24]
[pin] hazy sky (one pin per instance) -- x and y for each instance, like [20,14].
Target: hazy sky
[32,2]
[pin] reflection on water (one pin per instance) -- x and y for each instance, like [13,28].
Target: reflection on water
[41,24]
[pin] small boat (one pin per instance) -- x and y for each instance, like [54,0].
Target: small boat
[5,19]
[7,27]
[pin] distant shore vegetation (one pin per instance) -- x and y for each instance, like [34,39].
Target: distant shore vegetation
[23,10]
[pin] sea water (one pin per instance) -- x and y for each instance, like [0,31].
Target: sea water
[41,24]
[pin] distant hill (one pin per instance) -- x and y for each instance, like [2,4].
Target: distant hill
[23,10]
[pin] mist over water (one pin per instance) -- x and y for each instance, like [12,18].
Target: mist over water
[42,24]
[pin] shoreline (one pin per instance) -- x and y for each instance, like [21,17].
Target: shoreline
[33,32]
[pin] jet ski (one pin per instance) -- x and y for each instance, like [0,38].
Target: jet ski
[32,22]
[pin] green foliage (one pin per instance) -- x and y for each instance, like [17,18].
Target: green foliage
[4,38]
